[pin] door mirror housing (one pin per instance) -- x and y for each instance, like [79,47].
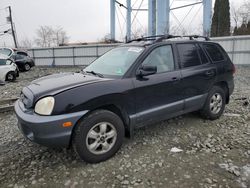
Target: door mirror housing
[146,70]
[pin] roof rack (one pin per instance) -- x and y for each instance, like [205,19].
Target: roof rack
[192,37]
[148,38]
[160,38]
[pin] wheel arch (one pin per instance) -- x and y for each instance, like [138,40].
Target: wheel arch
[110,107]
[6,75]
[224,86]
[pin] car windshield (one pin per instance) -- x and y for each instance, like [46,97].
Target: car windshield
[116,62]
[5,51]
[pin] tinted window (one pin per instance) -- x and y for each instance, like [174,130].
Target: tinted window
[22,53]
[18,56]
[188,55]
[214,52]
[162,58]
[2,62]
[203,56]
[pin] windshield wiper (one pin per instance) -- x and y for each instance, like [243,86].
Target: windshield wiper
[95,73]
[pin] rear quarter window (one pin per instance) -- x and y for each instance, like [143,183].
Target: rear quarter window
[214,52]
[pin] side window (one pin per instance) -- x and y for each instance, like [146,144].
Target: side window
[203,56]
[162,58]
[18,57]
[214,52]
[2,62]
[188,55]
[22,53]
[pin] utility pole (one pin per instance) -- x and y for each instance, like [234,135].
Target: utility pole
[12,27]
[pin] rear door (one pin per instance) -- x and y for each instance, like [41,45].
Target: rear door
[157,96]
[198,75]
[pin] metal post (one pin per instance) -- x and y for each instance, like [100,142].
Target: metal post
[233,50]
[151,17]
[53,62]
[162,22]
[112,20]
[207,17]
[129,10]
[97,51]
[73,53]
[12,28]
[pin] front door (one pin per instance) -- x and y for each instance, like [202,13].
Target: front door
[157,95]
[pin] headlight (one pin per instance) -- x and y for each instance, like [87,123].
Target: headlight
[45,106]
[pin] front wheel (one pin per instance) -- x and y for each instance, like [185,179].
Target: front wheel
[11,76]
[98,136]
[215,104]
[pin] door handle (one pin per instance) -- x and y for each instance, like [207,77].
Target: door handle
[210,73]
[175,79]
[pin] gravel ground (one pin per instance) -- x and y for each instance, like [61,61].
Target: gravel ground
[213,153]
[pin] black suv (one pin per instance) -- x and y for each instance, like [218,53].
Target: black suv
[141,82]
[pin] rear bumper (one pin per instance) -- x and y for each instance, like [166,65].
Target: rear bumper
[230,87]
[46,130]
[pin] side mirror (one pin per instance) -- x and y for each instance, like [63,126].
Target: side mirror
[146,70]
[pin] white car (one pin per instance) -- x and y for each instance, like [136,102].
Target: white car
[8,69]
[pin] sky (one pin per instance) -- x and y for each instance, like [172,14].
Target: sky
[87,20]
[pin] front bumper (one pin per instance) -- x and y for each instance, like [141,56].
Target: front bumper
[17,72]
[46,130]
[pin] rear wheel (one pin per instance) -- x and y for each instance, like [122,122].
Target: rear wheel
[11,76]
[215,104]
[98,136]
[27,67]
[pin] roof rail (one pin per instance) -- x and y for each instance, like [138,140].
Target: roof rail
[160,38]
[192,37]
[148,38]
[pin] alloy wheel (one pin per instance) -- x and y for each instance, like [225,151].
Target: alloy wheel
[101,138]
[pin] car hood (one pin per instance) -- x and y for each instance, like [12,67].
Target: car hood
[56,83]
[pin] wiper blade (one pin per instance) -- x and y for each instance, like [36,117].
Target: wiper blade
[95,73]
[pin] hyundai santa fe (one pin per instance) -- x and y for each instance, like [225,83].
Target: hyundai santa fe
[142,82]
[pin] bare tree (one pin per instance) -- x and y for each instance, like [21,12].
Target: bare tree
[60,36]
[139,32]
[26,43]
[235,15]
[48,36]
[244,12]
[44,36]
[241,15]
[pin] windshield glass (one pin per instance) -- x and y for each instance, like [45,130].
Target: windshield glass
[5,51]
[116,62]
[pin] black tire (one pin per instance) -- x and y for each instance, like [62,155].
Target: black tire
[11,76]
[211,112]
[27,67]
[81,141]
